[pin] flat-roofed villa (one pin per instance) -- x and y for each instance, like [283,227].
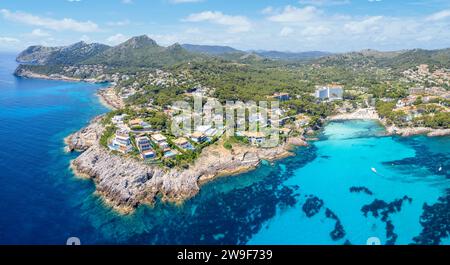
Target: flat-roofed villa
[145,147]
[209,131]
[118,119]
[169,152]
[255,138]
[135,122]
[198,137]
[139,126]
[160,140]
[121,142]
[183,143]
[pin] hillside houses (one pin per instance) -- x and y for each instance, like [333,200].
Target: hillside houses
[145,147]
[121,142]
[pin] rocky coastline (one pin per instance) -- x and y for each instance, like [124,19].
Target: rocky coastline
[29,74]
[125,183]
[371,114]
[109,98]
[410,131]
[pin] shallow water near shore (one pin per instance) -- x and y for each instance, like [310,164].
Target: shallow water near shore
[42,202]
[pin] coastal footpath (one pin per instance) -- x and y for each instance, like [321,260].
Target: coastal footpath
[125,183]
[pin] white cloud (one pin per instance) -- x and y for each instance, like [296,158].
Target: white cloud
[425,38]
[286,31]
[267,11]
[49,23]
[74,1]
[326,2]
[184,1]
[39,33]
[8,40]
[120,23]
[439,15]
[193,31]
[311,27]
[315,31]
[166,39]
[235,24]
[116,39]
[85,38]
[292,14]
[365,25]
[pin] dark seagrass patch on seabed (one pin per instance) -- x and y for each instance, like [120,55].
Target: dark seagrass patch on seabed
[361,189]
[338,231]
[312,206]
[435,163]
[435,221]
[381,208]
[230,217]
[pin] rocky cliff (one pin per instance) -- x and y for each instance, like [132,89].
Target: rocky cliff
[125,183]
[64,55]
[86,137]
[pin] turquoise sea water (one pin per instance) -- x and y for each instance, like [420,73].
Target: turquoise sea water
[43,203]
[345,159]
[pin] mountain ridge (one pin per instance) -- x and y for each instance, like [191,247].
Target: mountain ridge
[142,51]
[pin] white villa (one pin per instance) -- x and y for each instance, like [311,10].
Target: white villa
[118,119]
[183,143]
[160,140]
[198,137]
[121,142]
[145,147]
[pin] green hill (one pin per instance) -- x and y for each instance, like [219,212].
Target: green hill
[398,60]
[141,51]
[67,55]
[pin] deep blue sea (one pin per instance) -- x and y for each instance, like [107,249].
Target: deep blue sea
[304,199]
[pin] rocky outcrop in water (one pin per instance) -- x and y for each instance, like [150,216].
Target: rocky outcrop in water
[410,131]
[126,183]
[86,137]
[297,141]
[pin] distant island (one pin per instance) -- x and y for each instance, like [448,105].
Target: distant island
[132,154]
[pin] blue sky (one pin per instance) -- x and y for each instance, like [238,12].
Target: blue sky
[287,25]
